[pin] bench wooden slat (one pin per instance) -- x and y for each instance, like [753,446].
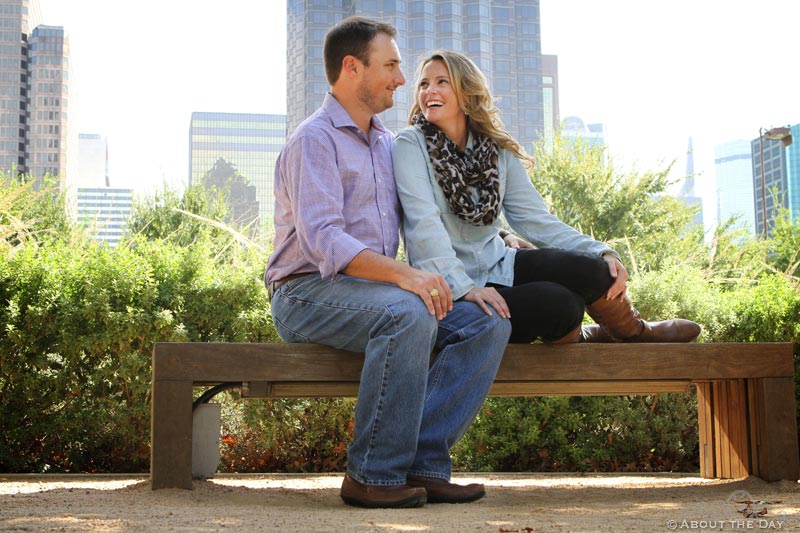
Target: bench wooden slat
[216,362]
[334,389]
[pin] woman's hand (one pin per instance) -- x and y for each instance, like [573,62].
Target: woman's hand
[487,297]
[512,241]
[620,275]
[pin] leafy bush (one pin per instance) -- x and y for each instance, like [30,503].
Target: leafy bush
[79,321]
[287,435]
[642,433]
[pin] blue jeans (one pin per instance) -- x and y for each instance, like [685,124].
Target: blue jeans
[409,412]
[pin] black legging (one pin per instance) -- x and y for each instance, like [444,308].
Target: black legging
[551,290]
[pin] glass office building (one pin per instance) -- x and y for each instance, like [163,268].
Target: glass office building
[246,143]
[105,212]
[774,177]
[92,161]
[34,93]
[733,168]
[550,108]
[50,145]
[17,20]
[502,37]
[793,174]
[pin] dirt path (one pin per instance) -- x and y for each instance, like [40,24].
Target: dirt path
[514,503]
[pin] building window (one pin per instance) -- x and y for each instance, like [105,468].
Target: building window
[421,8]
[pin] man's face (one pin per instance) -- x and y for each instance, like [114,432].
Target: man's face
[382,76]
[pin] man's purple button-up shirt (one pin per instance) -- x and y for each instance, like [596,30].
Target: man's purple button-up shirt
[335,195]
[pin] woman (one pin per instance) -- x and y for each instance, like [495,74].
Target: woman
[457,170]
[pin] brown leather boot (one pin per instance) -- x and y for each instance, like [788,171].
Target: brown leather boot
[590,333]
[623,322]
[595,333]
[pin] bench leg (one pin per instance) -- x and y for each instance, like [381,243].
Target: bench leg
[705,424]
[774,428]
[171,435]
[723,429]
[748,427]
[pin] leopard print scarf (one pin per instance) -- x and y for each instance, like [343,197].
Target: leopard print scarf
[460,174]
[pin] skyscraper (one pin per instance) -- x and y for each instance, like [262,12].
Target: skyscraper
[225,145]
[776,162]
[502,37]
[733,167]
[34,93]
[92,161]
[550,108]
[104,211]
[17,19]
[687,193]
[793,174]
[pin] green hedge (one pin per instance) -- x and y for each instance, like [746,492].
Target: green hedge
[79,320]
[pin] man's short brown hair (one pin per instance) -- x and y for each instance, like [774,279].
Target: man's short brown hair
[351,37]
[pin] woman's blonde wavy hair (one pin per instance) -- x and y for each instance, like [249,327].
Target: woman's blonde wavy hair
[472,93]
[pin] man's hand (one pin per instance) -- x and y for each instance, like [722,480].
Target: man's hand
[486,297]
[620,275]
[431,288]
[376,267]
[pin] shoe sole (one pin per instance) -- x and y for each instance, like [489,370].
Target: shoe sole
[408,503]
[456,500]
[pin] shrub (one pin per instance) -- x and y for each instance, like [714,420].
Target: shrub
[642,433]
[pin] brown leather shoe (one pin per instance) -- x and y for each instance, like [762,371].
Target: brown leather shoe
[378,496]
[442,491]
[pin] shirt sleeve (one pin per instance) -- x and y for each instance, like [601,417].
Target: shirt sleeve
[527,213]
[312,181]
[427,243]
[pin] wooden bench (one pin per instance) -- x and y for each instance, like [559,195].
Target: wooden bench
[745,392]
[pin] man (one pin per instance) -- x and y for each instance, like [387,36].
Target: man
[333,279]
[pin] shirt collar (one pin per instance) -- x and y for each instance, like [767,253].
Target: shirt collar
[340,118]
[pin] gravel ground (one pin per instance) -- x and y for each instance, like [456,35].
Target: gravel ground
[514,503]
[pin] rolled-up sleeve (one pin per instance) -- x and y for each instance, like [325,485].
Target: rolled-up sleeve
[318,198]
[428,245]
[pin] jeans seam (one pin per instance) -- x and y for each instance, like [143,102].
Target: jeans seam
[440,364]
[384,382]
[293,332]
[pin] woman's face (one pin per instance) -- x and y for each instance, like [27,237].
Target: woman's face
[437,99]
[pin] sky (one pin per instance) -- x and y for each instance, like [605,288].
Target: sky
[654,72]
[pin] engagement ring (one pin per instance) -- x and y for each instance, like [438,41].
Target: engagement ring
[434,292]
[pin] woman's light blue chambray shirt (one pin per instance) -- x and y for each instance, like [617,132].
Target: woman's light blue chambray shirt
[469,256]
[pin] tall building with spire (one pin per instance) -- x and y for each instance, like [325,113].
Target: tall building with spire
[687,193]
[34,94]
[503,37]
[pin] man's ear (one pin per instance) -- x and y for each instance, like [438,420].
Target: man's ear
[350,66]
